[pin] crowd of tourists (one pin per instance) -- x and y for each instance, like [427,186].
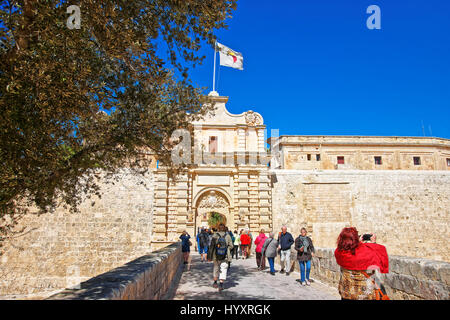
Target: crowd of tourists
[359,256]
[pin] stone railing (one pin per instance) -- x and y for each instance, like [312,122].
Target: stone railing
[147,278]
[408,278]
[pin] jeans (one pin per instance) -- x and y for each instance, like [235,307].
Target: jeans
[271,264]
[260,261]
[285,260]
[235,252]
[302,270]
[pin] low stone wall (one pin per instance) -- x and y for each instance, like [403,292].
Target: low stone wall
[408,278]
[146,278]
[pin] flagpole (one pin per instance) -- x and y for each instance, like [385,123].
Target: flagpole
[214,72]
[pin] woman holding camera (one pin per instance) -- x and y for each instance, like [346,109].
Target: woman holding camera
[185,246]
[359,261]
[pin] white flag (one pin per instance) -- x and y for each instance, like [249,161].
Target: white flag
[230,58]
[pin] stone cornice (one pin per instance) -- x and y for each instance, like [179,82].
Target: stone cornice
[363,141]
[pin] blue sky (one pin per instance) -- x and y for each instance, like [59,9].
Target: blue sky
[314,68]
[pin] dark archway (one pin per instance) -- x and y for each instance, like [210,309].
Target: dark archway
[216,218]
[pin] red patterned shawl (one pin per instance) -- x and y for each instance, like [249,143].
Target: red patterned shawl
[366,256]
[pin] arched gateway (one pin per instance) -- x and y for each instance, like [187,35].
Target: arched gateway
[212,201]
[236,185]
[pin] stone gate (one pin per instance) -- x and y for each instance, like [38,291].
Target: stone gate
[231,179]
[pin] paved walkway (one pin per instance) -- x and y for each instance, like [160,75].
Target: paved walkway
[245,282]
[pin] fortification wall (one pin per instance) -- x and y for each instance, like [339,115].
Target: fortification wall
[150,277]
[408,210]
[59,249]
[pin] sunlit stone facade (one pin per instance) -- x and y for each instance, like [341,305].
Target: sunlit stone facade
[231,178]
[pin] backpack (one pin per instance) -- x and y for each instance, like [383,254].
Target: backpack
[221,248]
[203,237]
[232,237]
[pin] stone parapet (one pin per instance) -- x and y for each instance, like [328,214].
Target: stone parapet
[146,278]
[408,278]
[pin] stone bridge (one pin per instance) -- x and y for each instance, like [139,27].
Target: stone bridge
[162,275]
[245,282]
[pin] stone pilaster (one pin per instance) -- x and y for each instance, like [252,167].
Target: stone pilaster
[241,139]
[265,201]
[236,207]
[182,189]
[254,200]
[160,207]
[243,199]
[261,141]
[172,212]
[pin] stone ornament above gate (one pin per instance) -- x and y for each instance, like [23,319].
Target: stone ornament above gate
[221,116]
[213,200]
[253,118]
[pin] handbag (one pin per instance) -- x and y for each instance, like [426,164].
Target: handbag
[380,293]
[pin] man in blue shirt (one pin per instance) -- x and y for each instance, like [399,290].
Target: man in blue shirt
[285,241]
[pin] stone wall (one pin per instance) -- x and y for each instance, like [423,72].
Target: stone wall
[408,210]
[59,249]
[146,278]
[408,278]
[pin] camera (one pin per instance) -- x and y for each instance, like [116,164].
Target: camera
[366,237]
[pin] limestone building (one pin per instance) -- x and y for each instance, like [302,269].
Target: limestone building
[362,153]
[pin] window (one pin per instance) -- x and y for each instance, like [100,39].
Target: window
[212,144]
[416,161]
[448,162]
[340,160]
[378,161]
[308,157]
[317,157]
